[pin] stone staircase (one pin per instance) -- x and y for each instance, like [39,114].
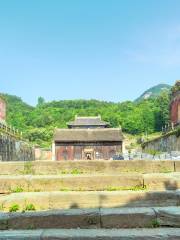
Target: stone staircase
[90,200]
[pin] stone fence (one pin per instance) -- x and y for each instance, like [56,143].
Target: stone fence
[166,143]
[12,145]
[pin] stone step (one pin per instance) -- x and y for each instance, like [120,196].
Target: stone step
[162,181]
[111,218]
[93,234]
[85,166]
[90,199]
[91,182]
[34,183]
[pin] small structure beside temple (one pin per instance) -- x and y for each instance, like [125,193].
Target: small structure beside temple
[175,104]
[2,110]
[169,141]
[87,138]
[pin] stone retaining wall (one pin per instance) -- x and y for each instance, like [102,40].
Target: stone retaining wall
[165,143]
[85,167]
[12,149]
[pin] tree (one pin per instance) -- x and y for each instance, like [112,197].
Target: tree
[41,101]
[162,115]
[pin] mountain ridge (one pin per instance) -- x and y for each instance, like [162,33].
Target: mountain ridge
[154,91]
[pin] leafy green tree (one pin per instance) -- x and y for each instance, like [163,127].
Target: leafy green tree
[41,101]
[162,113]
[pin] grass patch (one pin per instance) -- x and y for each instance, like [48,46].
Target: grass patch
[73,171]
[110,188]
[14,208]
[30,207]
[37,190]
[155,224]
[30,227]
[165,170]
[135,188]
[65,190]
[28,168]
[72,190]
[76,171]
[17,190]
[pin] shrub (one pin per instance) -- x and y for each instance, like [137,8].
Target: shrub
[14,208]
[30,207]
[76,171]
[155,224]
[17,190]
[178,132]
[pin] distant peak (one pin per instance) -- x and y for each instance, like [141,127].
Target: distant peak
[154,91]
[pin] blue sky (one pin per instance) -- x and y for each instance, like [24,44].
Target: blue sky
[102,49]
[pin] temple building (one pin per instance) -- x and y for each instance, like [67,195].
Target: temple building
[87,138]
[175,104]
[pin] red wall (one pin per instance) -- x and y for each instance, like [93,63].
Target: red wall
[2,110]
[174,110]
[70,152]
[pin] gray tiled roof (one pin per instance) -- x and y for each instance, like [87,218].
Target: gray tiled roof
[88,121]
[88,135]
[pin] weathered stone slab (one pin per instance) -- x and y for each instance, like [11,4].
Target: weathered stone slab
[41,201]
[85,167]
[4,218]
[138,199]
[90,199]
[115,234]
[14,183]
[21,235]
[162,166]
[73,218]
[162,181]
[8,168]
[93,218]
[93,234]
[68,182]
[105,166]
[111,218]
[66,200]
[124,181]
[169,216]
[141,166]
[127,217]
[67,167]
[177,165]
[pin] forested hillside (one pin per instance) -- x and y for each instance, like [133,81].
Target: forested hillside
[37,123]
[154,92]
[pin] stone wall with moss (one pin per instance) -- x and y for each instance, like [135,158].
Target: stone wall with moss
[165,143]
[13,149]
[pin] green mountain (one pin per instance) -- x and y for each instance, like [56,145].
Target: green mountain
[154,92]
[38,123]
[17,111]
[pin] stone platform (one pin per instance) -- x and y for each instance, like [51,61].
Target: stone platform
[90,200]
[93,234]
